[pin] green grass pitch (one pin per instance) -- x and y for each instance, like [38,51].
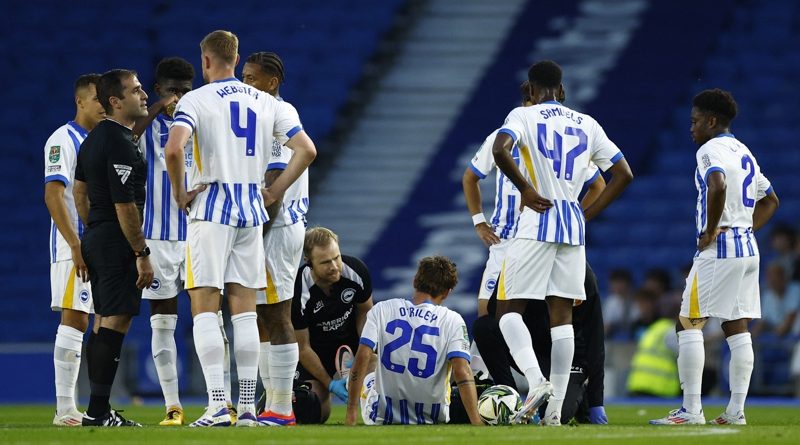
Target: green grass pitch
[31,424]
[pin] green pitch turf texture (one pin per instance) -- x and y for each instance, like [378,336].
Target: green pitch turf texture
[21,424]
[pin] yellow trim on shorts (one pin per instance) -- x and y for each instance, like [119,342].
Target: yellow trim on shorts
[448,388]
[271,291]
[528,161]
[501,283]
[189,273]
[69,293]
[196,153]
[694,301]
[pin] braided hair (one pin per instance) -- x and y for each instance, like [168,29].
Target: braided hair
[269,62]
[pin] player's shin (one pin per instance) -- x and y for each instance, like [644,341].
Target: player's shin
[741,368]
[67,362]
[211,352]
[561,354]
[263,370]
[520,345]
[246,349]
[691,359]
[165,356]
[226,363]
[282,364]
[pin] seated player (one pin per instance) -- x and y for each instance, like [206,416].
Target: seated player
[333,293]
[419,343]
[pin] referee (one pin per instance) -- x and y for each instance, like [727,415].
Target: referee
[109,195]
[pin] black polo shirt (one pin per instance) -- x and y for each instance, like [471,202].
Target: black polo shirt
[114,169]
[331,319]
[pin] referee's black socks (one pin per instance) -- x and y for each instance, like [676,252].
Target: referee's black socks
[103,362]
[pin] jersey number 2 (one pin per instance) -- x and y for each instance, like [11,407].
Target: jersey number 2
[406,334]
[248,132]
[750,167]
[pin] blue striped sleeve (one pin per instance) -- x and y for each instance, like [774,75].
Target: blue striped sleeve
[277,166]
[477,172]
[508,132]
[769,190]
[456,354]
[712,170]
[60,178]
[184,123]
[367,342]
[293,131]
[616,158]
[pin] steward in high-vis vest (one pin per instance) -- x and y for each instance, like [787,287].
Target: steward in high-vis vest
[654,370]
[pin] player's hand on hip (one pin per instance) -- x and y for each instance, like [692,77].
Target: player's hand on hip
[339,388]
[597,415]
[184,199]
[533,200]
[486,234]
[706,240]
[145,269]
[81,270]
[270,197]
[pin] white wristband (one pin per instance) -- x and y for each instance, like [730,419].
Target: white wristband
[478,218]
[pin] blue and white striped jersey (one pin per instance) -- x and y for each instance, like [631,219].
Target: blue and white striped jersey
[60,159]
[233,126]
[507,201]
[415,344]
[745,185]
[295,200]
[163,220]
[557,146]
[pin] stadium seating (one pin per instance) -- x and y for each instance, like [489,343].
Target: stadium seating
[325,46]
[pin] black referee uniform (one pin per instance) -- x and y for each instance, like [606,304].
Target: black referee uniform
[115,172]
[330,319]
[585,388]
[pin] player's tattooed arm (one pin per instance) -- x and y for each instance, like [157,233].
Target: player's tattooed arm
[357,374]
[462,374]
[465,382]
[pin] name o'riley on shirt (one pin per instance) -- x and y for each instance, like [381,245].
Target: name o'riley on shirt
[235,89]
[413,312]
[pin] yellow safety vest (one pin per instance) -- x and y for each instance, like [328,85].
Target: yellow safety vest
[654,369]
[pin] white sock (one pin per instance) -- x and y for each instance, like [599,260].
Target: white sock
[691,359]
[67,363]
[245,349]
[561,353]
[226,363]
[282,365]
[263,370]
[165,355]
[211,352]
[520,345]
[740,370]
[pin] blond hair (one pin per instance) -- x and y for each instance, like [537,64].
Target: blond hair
[317,237]
[223,44]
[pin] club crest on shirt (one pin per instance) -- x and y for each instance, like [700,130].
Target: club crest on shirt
[706,161]
[55,153]
[347,295]
[156,285]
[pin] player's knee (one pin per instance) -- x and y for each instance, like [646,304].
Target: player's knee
[75,319]
[308,407]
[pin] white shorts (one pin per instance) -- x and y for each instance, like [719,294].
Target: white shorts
[497,253]
[535,270]
[369,399]
[724,288]
[217,254]
[67,291]
[283,249]
[167,258]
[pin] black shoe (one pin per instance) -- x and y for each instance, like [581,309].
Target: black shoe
[111,418]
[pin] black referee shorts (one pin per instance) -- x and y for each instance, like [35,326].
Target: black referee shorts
[112,270]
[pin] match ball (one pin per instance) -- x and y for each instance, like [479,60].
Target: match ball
[498,404]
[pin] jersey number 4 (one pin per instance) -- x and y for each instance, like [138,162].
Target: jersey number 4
[248,132]
[417,345]
[556,153]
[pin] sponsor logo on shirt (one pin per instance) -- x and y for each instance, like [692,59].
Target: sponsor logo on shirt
[53,168]
[706,161]
[124,172]
[318,307]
